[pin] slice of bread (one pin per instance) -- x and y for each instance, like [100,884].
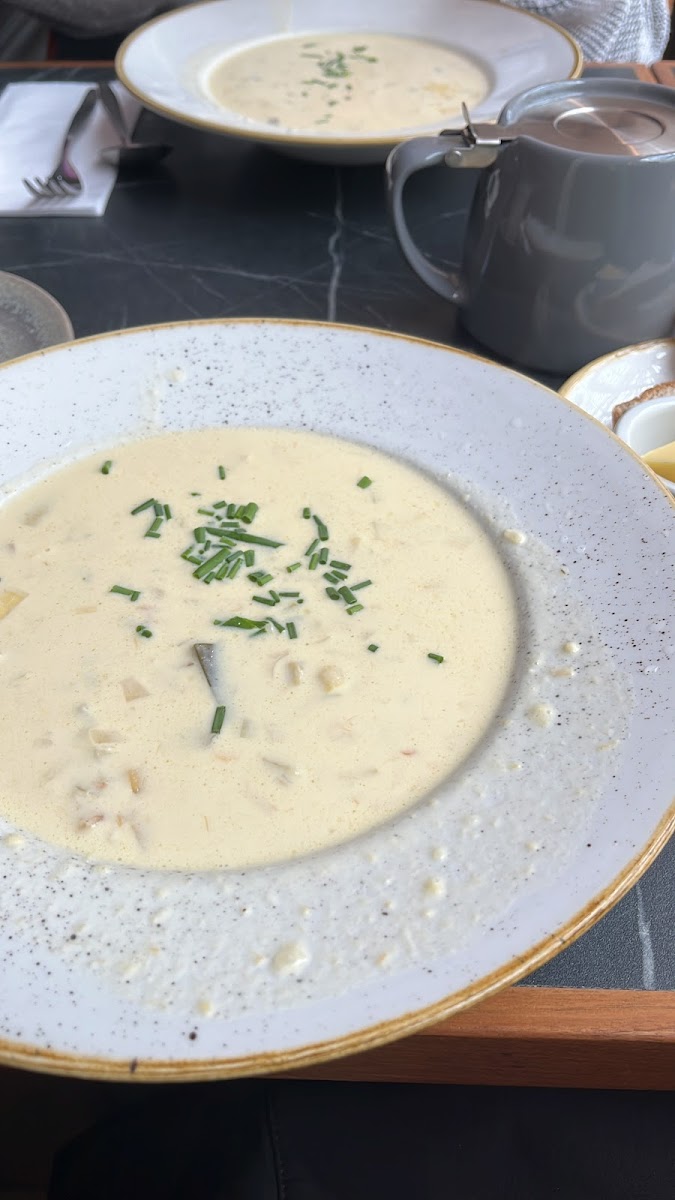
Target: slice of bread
[659,391]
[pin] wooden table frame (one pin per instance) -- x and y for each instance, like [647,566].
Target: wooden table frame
[533,1037]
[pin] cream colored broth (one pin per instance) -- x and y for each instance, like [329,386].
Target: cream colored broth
[346,82]
[107,734]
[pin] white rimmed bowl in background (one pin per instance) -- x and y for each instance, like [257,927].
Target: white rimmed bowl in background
[165,63]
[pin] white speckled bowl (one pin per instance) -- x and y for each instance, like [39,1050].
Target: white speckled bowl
[118,973]
[164,62]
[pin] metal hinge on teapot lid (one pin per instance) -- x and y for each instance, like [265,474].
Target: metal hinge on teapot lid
[477,145]
[590,116]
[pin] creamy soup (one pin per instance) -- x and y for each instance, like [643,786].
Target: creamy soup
[347,82]
[227,647]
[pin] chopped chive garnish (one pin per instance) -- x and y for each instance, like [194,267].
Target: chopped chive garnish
[221,504]
[321,529]
[249,557]
[292,631]
[218,718]
[195,493]
[142,507]
[364,482]
[240,536]
[313,562]
[231,510]
[159,509]
[340,575]
[340,566]
[105,469]
[323,556]
[311,548]
[293,567]
[191,558]
[144,631]
[354,608]
[260,577]
[206,512]
[222,571]
[122,591]
[167,512]
[435,657]
[333,594]
[275,596]
[279,628]
[331,577]
[200,533]
[347,595]
[153,530]
[236,566]
[216,532]
[210,564]
[249,513]
[373,647]
[263,630]
[240,623]
[186,553]
[307,512]
[264,600]
[356,587]
[222,473]
[287,595]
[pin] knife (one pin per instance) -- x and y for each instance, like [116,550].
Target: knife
[64,171]
[80,119]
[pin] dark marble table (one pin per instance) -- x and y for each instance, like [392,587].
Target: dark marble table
[224,228]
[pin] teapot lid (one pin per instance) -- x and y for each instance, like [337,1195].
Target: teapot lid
[596,116]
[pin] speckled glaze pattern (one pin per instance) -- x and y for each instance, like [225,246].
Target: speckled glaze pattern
[160,975]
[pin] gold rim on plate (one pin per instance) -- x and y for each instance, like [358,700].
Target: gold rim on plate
[295,139]
[574,380]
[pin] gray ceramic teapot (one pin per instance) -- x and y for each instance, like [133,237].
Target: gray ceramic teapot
[570,248]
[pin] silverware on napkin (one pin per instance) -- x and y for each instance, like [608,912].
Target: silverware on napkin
[64,180]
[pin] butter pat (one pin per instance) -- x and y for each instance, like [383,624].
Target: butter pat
[662,460]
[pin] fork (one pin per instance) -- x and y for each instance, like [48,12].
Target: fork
[64,179]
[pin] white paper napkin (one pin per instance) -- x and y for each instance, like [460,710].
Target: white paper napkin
[34,118]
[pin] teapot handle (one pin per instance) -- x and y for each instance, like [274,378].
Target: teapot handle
[416,155]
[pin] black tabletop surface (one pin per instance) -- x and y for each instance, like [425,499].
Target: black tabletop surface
[224,228]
